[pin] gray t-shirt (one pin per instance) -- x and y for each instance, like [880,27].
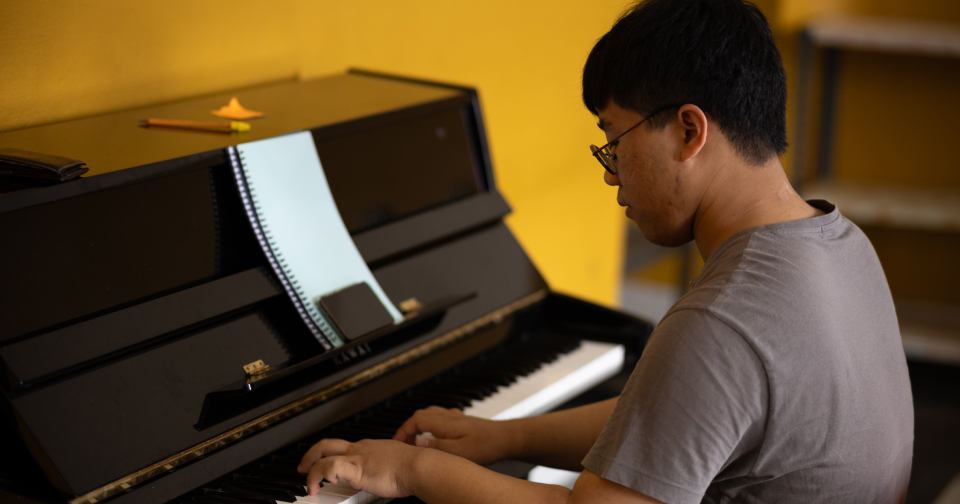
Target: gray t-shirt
[780,377]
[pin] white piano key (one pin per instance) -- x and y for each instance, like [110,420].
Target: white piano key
[551,476]
[341,493]
[347,493]
[320,498]
[553,384]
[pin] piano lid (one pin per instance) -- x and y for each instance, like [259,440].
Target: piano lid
[112,142]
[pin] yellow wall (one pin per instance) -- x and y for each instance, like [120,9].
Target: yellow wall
[70,59]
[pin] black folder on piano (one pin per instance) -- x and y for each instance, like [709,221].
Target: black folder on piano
[149,352]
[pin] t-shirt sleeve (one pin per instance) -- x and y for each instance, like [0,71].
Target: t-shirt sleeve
[697,396]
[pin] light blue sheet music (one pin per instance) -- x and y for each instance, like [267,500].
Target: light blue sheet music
[300,225]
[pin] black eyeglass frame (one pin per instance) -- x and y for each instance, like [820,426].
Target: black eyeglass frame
[608,159]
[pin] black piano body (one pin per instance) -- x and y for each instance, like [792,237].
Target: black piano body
[131,299]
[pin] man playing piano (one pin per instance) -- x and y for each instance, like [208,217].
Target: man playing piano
[779,377]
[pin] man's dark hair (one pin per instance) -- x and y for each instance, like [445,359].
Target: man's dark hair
[716,54]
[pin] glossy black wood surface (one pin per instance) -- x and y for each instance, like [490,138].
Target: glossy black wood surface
[133,297]
[30,360]
[137,292]
[112,142]
[143,407]
[153,230]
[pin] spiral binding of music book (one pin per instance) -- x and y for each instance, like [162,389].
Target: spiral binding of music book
[296,221]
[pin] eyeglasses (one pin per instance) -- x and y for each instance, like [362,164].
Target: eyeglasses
[608,159]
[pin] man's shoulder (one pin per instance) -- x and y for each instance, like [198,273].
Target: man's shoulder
[795,289]
[788,263]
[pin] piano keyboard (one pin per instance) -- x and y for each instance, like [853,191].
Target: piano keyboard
[553,384]
[521,378]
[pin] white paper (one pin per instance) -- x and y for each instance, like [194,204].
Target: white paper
[301,223]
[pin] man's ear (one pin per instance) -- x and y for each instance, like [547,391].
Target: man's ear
[693,126]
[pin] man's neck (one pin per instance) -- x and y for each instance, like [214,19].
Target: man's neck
[742,196]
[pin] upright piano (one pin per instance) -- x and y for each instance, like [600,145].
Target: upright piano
[151,354]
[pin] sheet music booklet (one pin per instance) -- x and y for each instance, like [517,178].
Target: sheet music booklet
[296,221]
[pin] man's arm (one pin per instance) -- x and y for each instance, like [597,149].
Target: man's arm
[392,469]
[560,439]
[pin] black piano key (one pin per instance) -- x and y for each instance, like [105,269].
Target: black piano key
[367,433]
[473,392]
[201,500]
[286,463]
[481,385]
[233,497]
[467,392]
[377,417]
[502,378]
[394,416]
[519,364]
[289,484]
[270,470]
[376,432]
[262,490]
[403,413]
[465,379]
[423,403]
[414,404]
[294,487]
[384,426]
[450,393]
[213,500]
[516,369]
[353,438]
[346,434]
[446,396]
[296,479]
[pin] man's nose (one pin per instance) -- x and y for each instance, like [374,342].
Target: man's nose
[611,179]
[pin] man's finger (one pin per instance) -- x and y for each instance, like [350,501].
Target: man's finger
[325,447]
[314,478]
[309,458]
[424,420]
[447,445]
[407,432]
[334,446]
[335,469]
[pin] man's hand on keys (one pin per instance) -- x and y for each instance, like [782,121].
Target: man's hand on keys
[478,440]
[375,466]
